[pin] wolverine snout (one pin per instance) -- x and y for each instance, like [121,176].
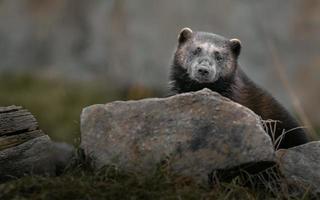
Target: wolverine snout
[203,71]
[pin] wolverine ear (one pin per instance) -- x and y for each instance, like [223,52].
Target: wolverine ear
[235,45]
[185,34]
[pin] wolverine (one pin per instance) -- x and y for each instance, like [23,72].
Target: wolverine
[206,60]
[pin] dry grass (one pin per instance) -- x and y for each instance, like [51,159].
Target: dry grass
[270,126]
[80,181]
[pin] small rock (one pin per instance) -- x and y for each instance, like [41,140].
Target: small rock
[38,156]
[195,133]
[301,166]
[62,154]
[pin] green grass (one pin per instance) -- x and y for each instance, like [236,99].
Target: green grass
[80,181]
[57,103]
[110,183]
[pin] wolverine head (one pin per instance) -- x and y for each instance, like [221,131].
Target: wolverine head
[206,57]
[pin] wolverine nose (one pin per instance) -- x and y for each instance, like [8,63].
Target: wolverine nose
[203,71]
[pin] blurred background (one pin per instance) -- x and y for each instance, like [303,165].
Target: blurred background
[58,56]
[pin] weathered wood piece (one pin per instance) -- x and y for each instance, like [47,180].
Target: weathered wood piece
[17,125]
[25,149]
[14,140]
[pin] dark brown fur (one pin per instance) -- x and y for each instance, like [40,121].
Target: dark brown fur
[236,86]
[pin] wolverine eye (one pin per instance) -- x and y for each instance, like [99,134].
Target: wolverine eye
[197,51]
[218,56]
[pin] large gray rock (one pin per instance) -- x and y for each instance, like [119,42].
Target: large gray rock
[195,133]
[38,156]
[301,166]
